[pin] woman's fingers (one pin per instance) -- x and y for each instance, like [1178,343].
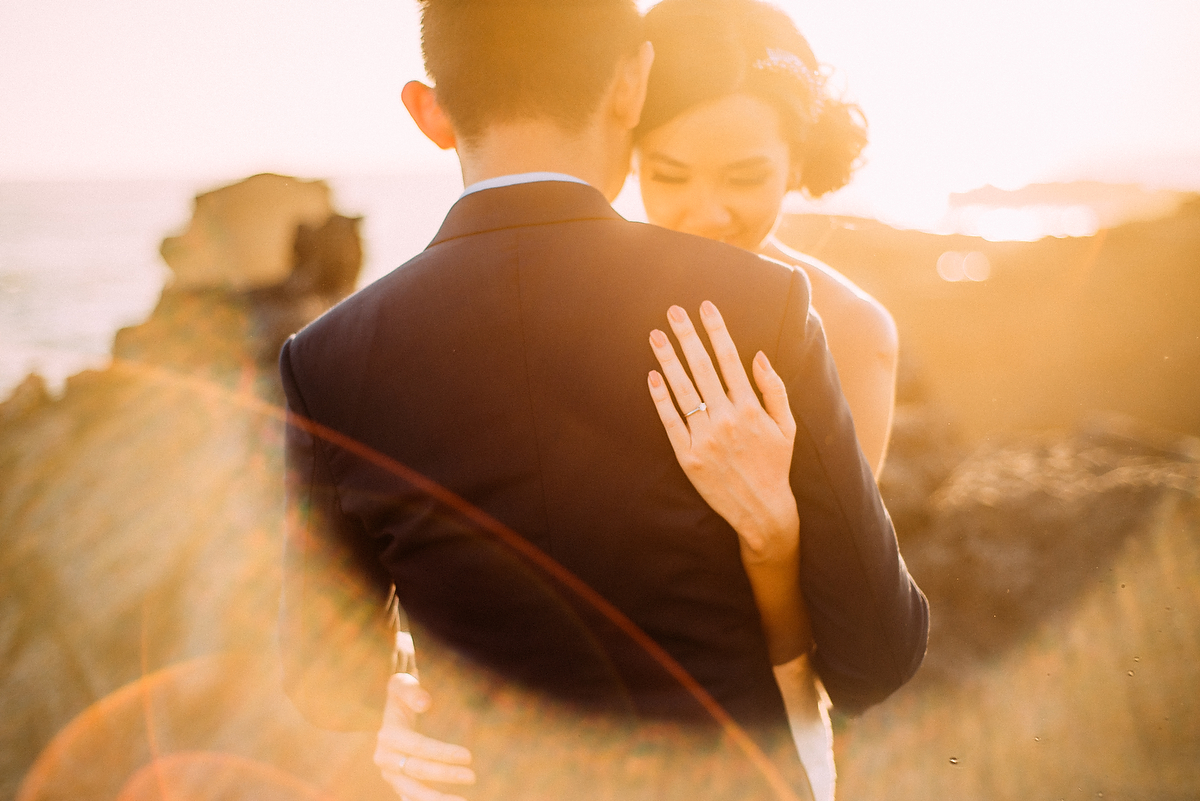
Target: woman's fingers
[677,430]
[405,757]
[398,744]
[406,699]
[409,789]
[727,354]
[424,769]
[774,393]
[681,385]
[703,370]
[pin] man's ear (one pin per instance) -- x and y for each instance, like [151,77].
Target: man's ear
[421,102]
[629,93]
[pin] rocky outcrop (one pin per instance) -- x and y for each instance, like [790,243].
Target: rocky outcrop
[231,301]
[240,236]
[1111,204]
[1061,328]
[141,512]
[28,396]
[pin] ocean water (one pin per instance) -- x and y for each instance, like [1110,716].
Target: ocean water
[77,262]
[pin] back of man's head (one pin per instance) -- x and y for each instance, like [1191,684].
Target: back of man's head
[501,60]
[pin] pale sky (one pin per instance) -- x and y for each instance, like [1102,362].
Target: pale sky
[958,94]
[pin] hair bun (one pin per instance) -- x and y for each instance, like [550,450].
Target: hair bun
[832,148]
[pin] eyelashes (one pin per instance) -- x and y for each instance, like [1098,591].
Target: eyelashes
[738,182]
[748,180]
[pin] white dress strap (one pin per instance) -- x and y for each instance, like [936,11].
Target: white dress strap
[808,706]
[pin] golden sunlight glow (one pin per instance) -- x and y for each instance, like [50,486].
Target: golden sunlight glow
[312,89]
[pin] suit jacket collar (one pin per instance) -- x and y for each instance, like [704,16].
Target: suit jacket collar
[540,203]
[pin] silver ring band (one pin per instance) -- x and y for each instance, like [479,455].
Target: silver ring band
[699,408]
[403,761]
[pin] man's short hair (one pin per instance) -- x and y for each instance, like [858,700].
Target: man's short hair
[499,60]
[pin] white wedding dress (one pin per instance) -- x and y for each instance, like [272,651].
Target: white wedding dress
[808,706]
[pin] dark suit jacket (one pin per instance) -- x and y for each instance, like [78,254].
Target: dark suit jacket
[507,364]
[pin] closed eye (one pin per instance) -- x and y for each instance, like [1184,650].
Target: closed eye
[748,179]
[668,178]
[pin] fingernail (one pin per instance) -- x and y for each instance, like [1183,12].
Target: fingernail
[760,359]
[677,314]
[657,338]
[707,309]
[421,703]
[655,379]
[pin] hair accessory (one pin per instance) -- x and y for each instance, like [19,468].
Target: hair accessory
[784,61]
[790,67]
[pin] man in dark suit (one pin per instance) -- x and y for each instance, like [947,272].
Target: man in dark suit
[475,427]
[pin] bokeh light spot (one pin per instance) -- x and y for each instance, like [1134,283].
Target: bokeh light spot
[950,266]
[954,266]
[976,266]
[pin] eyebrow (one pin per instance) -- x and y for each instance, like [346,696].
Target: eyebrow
[748,163]
[667,160]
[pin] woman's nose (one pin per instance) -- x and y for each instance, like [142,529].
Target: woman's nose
[707,210]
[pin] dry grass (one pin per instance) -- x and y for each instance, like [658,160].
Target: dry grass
[1101,702]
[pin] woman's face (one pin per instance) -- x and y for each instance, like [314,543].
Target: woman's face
[719,170]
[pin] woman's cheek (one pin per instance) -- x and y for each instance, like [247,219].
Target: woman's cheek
[768,206]
[663,207]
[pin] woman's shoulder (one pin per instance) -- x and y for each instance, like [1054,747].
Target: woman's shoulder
[833,294]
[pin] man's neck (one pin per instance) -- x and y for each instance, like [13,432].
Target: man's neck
[540,146]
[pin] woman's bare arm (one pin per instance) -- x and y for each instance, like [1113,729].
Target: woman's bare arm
[737,452]
[862,339]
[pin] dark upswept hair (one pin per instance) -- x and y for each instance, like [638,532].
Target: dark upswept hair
[707,49]
[500,60]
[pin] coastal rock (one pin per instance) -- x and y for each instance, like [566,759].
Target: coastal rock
[27,397]
[1109,204]
[326,260]
[142,516]
[1060,329]
[241,236]
[222,325]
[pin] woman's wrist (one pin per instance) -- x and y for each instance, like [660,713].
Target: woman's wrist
[772,535]
[776,587]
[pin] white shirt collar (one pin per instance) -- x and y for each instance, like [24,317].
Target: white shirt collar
[520,178]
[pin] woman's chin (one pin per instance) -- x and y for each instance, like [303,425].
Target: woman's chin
[742,241]
[738,239]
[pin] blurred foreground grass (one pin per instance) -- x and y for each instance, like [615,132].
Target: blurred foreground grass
[1100,703]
